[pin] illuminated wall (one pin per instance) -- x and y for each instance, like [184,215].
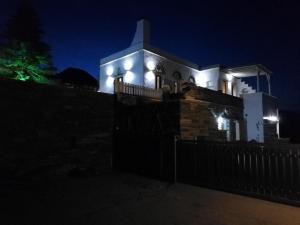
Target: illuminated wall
[208,78]
[261,114]
[139,68]
[137,65]
[129,67]
[170,66]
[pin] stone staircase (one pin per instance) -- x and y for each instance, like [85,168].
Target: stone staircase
[244,88]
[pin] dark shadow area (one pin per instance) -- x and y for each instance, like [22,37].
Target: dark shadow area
[289,125]
[53,131]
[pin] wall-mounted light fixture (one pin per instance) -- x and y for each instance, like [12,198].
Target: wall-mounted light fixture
[271,118]
[229,77]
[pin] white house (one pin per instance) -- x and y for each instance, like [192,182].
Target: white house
[150,70]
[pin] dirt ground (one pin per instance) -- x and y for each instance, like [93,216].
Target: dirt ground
[117,199]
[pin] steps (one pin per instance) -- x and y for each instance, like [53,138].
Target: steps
[244,88]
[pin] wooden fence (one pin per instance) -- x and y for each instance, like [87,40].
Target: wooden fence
[269,172]
[265,171]
[137,90]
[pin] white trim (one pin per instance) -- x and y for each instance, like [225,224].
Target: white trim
[125,56]
[122,57]
[181,64]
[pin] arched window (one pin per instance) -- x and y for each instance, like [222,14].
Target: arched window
[159,69]
[177,75]
[192,79]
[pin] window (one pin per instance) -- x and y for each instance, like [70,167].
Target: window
[159,69]
[177,75]
[191,79]
[224,125]
[209,84]
[176,87]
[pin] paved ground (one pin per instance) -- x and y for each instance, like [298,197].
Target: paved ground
[116,199]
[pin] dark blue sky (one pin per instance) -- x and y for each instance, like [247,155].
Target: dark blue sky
[229,33]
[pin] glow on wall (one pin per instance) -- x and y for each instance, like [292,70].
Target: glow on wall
[110,70]
[220,122]
[128,64]
[109,82]
[150,76]
[229,77]
[151,65]
[271,118]
[129,77]
[201,80]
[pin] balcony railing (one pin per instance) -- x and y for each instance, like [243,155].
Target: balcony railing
[137,90]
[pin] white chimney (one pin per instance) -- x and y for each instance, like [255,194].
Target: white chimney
[142,33]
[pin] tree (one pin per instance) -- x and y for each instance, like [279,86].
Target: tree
[23,54]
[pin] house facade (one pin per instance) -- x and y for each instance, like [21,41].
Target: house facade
[215,99]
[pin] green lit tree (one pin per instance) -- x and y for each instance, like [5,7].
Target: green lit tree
[23,54]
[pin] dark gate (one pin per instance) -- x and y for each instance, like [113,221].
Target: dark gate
[147,155]
[270,172]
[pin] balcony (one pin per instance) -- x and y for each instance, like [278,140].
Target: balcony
[137,90]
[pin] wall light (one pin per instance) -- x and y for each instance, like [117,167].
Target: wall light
[109,70]
[128,64]
[150,65]
[271,118]
[109,82]
[150,76]
[229,77]
[129,76]
[220,122]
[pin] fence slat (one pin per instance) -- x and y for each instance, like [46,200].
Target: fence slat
[270,171]
[137,90]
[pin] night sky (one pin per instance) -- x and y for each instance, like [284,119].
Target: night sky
[229,33]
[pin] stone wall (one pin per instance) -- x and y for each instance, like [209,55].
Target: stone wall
[198,110]
[55,131]
[189,115]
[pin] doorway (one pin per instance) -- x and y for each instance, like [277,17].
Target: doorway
[158,82]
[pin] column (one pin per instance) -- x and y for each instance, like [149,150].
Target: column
[257,82]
